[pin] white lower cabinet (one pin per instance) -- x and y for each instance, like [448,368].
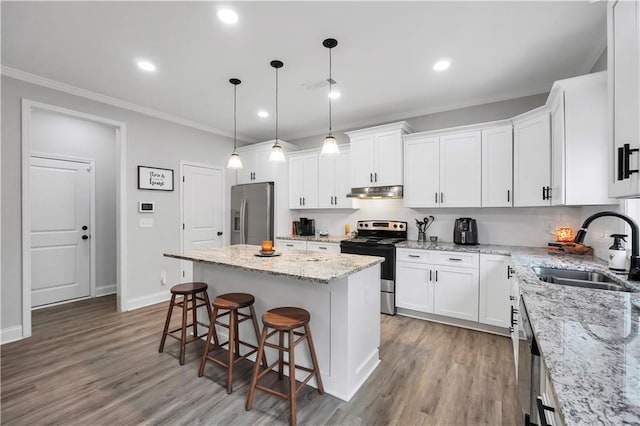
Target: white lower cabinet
[547,403]
[514,297]
[291,244]
[432,282]
[308,245]
[495,289]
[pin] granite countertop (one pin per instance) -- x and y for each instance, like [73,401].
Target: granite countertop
[300,264]
[589,339]
[328,239]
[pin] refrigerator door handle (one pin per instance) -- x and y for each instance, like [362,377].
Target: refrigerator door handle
[243,206]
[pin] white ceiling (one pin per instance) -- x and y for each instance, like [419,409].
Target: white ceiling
[382,63]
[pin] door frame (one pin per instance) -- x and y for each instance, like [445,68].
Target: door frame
[184,163]
[121,200]
[92,215]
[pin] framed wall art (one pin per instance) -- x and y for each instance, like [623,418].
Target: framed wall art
[155,178]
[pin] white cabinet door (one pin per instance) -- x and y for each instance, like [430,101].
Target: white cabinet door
[456,292]
[246,173]
[558,151]
[310,181]
[422,172]
[388,158]
[296,181]
[497,167]
[414,288]
[514,297]
[264,170]
[495,289]
[460,170]
[531,161]
[323,247]
[326,180]
[624,86]
[362,161]
[342,177]
[290,244]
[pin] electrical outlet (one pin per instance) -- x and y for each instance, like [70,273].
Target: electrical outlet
[163,277]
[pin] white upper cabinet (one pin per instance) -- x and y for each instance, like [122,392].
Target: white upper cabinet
[334,180]
[623,53]
[256,166]
[376,155]
[303,178]
[497,167]
[422,172]
[579,145]
[460,174]
[532,159]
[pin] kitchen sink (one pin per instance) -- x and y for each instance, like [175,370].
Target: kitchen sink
[571,277]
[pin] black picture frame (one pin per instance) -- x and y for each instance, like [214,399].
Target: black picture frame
[155,178]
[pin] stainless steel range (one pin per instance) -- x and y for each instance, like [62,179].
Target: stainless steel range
[378,238]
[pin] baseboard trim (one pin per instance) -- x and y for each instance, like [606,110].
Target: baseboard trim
[104,290]
[152,299]
[10,334]
[471,325]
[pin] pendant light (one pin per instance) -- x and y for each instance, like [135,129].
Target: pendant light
[330,145]
[234,159]
[277,154]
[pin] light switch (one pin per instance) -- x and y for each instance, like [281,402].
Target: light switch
[146,223]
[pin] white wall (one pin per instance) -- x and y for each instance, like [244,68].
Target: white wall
[150,141]
[58,134]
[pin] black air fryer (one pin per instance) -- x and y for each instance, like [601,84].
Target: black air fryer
[465,231]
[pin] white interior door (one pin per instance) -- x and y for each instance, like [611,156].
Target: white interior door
[202,207]
[60,218]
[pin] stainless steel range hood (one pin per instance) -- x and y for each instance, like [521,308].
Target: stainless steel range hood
[376,192]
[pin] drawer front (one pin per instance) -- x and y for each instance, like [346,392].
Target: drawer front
[456,258]
[323,247]
[291,244]
[410,255]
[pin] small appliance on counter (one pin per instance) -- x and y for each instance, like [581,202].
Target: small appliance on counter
[465,231]
[618,253]
[304,227]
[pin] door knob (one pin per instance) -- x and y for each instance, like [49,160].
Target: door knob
[84,228]
[84,237]
[219,233]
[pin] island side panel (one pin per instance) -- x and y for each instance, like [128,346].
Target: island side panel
[272,291]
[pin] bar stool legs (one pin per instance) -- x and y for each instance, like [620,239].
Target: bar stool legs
[285,320]
[191,293]
[231,302]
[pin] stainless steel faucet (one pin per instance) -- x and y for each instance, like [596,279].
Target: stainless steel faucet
[634,267]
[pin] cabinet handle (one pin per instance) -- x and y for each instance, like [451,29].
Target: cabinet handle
[300,201]
[436,275]
[322,248]
[512,298]
[508,195]
[303,201]
[549,195]
[627,153]
[370,177]
[375,177]
[436,198]
[414,255]
[430,275]
[514,321]
[441,197]
[455,259]
[289,245]
[510,272]
[541,411]
[544,193]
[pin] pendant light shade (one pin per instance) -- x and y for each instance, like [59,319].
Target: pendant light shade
[234,159]
[330,146]
[277,153]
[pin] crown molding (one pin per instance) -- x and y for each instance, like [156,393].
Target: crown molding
[98,97]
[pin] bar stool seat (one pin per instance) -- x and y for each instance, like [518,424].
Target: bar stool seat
[192,294]
[232,303]
[283,321]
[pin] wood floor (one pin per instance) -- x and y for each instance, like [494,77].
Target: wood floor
[87,364]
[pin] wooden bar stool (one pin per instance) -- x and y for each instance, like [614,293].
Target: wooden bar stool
[231,302]
[285,320]
[190,292]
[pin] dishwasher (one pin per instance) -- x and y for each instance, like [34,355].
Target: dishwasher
[528,369]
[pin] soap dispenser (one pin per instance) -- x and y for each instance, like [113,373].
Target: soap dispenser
[618,253]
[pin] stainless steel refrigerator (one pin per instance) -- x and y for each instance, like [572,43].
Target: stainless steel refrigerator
[252,213]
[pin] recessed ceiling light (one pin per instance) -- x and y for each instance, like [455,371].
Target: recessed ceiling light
[263,114]
[146,65]
[334,94]
[441,65]
[227,16]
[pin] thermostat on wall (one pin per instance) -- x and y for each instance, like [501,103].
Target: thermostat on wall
[146,207]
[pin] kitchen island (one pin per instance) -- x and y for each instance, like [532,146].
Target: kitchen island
[341,291]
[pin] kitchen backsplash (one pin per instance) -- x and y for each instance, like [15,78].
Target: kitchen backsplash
[532,226]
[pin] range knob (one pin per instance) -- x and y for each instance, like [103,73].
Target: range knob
[395,225]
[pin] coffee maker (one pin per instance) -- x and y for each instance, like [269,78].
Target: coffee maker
[305,227]
[465,231]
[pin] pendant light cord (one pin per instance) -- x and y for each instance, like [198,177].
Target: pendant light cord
[235,88]
[276,106]
[330,85]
